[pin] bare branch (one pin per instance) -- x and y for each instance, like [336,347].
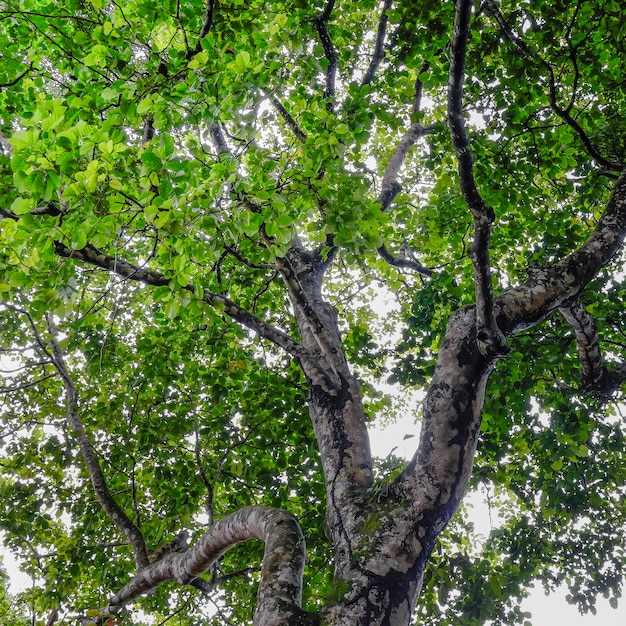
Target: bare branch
[321,24]
[489,335]
[379,47]
[280,590]
[595,377]
[108,503]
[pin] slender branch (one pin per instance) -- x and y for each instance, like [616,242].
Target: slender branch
[208,21]
[291,123]
[596,378]
[18,79]
[321,24]
[280,590]
[390,187]
[93,256]
[419,87]
[489,335]
[33,383]
[379,47]
[108,503]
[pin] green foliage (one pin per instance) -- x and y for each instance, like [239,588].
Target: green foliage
[192,416]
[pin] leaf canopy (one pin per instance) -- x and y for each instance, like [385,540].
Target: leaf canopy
[192,143]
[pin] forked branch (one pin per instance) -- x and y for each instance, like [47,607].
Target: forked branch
[490,337]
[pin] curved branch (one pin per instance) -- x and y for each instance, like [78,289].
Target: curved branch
[490,336]
[279,597]
[595,377]
[584,326]
[108,503]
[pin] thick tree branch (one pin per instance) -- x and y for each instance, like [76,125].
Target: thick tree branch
[584,326]
[490,336]
[279,597]
[437,477]
[108,503]
[309,314]
[390,186]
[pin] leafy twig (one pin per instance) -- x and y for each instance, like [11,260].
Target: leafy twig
[564,114]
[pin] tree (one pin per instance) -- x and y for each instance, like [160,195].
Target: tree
[202,203]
